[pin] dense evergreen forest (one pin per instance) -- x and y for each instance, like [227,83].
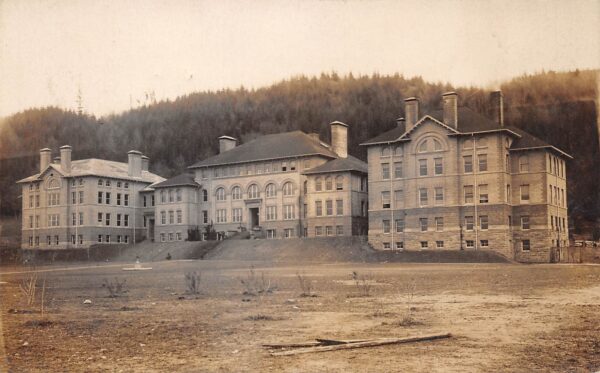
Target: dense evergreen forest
[559,108]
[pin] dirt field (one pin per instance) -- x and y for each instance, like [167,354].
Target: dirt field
[503,317]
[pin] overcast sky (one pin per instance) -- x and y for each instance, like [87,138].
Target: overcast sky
[116,51]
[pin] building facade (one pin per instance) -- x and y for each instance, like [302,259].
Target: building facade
[454,179]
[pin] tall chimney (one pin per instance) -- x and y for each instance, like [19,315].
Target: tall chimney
[451,109]
[134,163]
[497,99]
[65,158]
[45,158]
[339,139]
[226,143]
[411,108]
[401,123]
[145,163]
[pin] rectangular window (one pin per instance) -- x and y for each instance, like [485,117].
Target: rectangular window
[525,245]
[107,199]
[318,231]
[319,208]
[399,245]
[525,192]
[470,243]
[178,193]
[153,200]
[422,167]
[385,200]
[118,220]
[385,171]
[271,213]
[439,224]
[162,237]
[171,217]
[271,233]
[398,198]
[118,238]
[329,207]
[523,163]
[484,243]
[80,239]
[399,225]
[80,197]
[482,162]
[483,193]
[469,223]
[144,201]
[398,170]
[339,207]
[100,218]
[423,222]
[170,200]
[118,199]
[73,199]
[99,197]
[525,222]
[329,230]
[439,244]
[483,222]
[31,220]
[236,215]
[386,226]
[221,216]
[423,197]
[439,166]
[439,196]
[468,192]
[468,163]
[163,217]
[171,236]
[37,200]
[386,245]
[99,238]
[180,216]
[205,216]
[126,200]
[288,232]
[339,230]
[126,220]
[424,244]
[107,220]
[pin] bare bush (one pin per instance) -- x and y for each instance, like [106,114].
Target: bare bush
[407,296]
[116,288]
[305,285]
[255,285]
[363,283]
[192,282]
[29,288]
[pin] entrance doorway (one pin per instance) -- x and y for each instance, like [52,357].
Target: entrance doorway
[254,220]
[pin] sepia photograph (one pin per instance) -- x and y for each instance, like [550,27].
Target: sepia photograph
[300,186]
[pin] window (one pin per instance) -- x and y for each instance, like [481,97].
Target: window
[439,244]
[178,195]
[289,212]
[329,230]
[162,237]
[468,163]
[469,223]
[439,224]
[483,222]
[398,198]
[385,151]
[271,233]
[438,166]
[271,213]
[484,243]
[107,219]
[236,215]
[525,245]
[221,216]
[56,240]
[525,192]
[424,146]
[126,185]
[100,197]
[318,184]
[170,236]
[163,197]
[482,162]
[423,197]
[470,244]
[319,208]
[339,230]
[204,195]
[399,245]
[126,220]
[107,183]
[385,171]
[328,183]
[525,222]
[288,189]
[119,238]
[270,190]
[107,198]
[180,216]
[385,200]
[424,244]
[339,207]
[118,199]
[439,196]
[468,191]
[80,239]
[507,163]
[99,238]
[236,193]
[100,218]
[437,146]
[220,194]
[398,170]
[171,217]
[339,182]
[163,217]
[118,184]
[253,191]
[53,220]
[305,187]
[524,163]
[73,199]
[422,167]
[288,232]
[329,207]
[483,193]
[144,203]
[318,231]
[423,224]
[386,226]
[100,183]
[80,198]
[118,220]
[205,216]
[399,225]
[31,220]
[386,245]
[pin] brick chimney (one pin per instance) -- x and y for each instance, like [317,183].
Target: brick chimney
[45,158]
[145,163]
[339,139]
[497,99]
[450,109]
[411,109]
[226,143]
[401,123]
[134,163]
[65,158]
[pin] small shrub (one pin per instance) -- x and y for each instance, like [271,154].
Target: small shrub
[255,285]
[116,288]
[192,282]
[363,283]
[408,296]
[305,285]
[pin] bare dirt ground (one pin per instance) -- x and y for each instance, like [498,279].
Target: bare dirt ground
[503,317]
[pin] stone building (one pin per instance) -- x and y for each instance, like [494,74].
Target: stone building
[77,203]
[456,179]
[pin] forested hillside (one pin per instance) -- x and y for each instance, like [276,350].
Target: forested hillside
[559,108]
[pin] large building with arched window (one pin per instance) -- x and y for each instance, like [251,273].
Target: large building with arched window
[456,179]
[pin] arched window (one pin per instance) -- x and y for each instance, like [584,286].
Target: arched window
[236,193]
[220,194]
[398,150]
[318,184]
[339,182]
[437,146]
[424,146]
[253,191]
[270,190]
[385,151]
[204,195]
[53,184]
[328,183]
[288,189]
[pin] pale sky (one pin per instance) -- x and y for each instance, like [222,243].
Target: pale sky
[115,51]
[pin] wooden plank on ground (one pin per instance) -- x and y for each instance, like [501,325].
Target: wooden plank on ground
[370,343]
[317,342]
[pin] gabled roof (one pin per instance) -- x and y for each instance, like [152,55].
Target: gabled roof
[179,180]
[389,136]
[528,141]
[97,167]
[276,146]
[338,165]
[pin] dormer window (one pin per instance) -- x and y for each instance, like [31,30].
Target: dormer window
[100,182]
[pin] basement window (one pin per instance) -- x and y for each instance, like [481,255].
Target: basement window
[470,244]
